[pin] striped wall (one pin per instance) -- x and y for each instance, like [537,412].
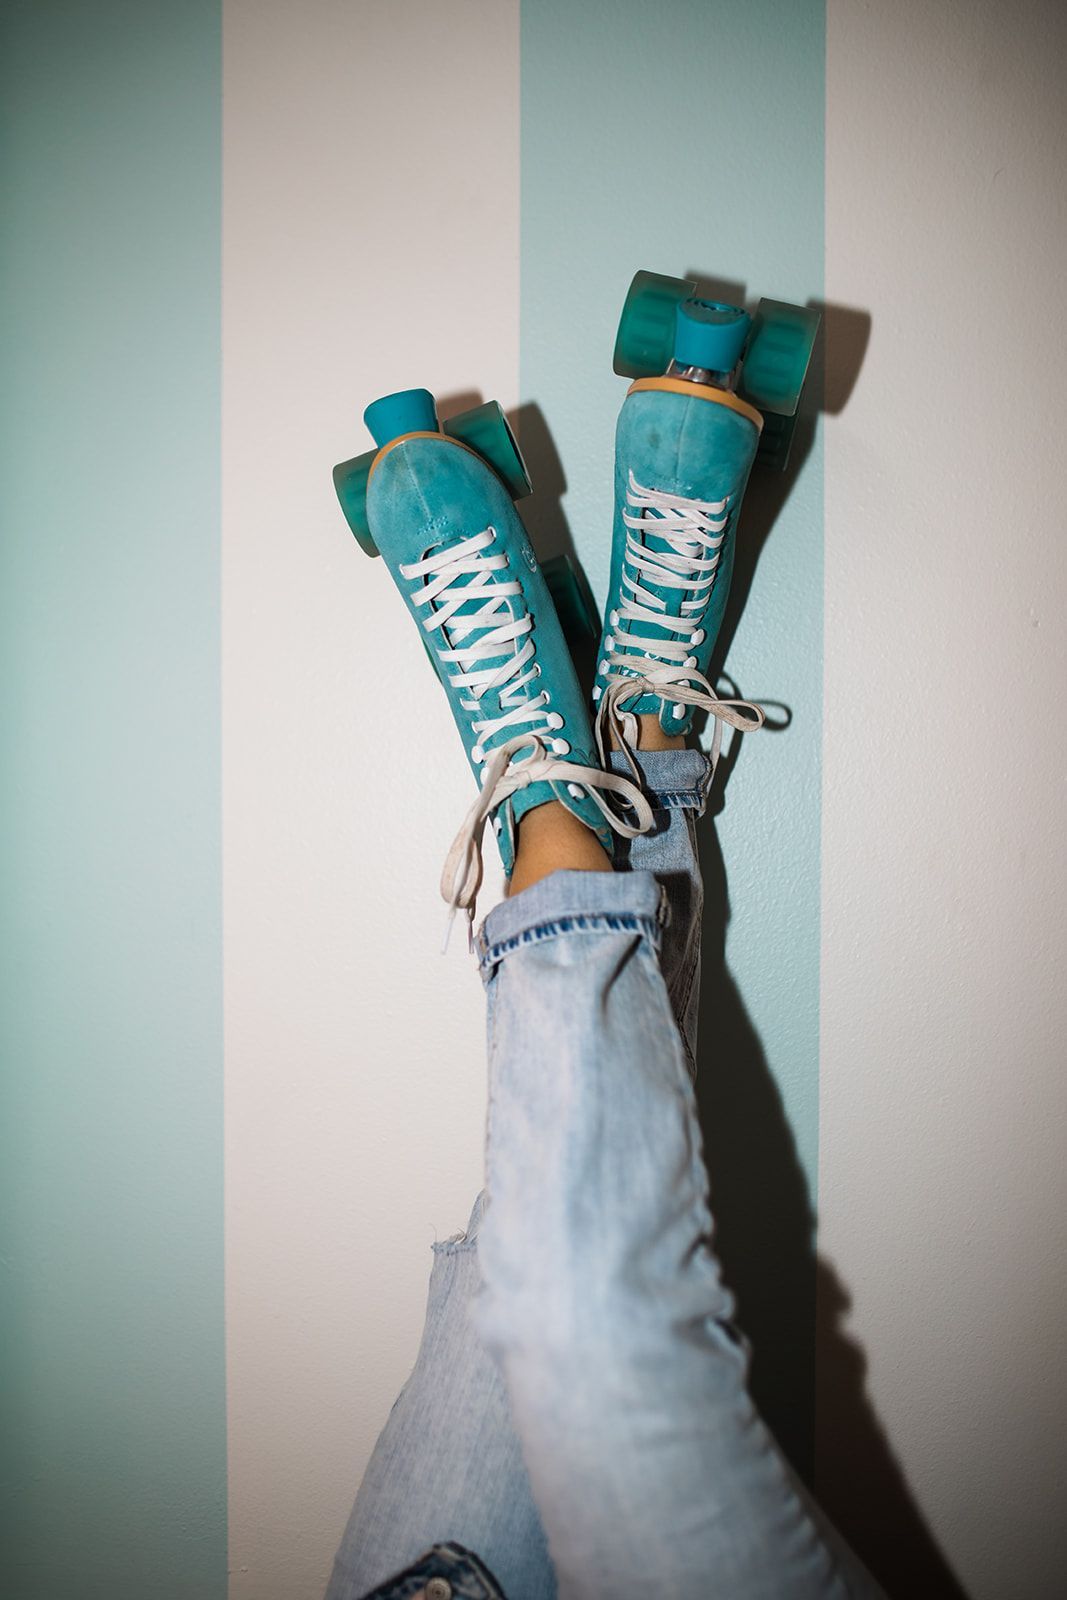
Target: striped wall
[942,1194]
[610,181]
[242,1091]
[370,243]
[113,1432]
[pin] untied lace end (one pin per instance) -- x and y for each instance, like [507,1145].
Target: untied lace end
[685,686]
[504,775]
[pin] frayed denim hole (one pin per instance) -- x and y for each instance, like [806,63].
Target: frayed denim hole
[404,1587]
[454,1247]
[456,1244]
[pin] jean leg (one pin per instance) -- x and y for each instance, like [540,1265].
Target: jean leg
[603,1302]
[448,1465]
[676,783]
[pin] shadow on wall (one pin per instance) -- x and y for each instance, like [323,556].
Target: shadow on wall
[792,1305]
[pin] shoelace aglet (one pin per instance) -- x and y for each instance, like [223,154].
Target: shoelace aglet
[450,922]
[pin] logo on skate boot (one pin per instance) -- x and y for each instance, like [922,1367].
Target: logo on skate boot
[528,555]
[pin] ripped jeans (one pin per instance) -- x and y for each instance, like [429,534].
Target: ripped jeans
[578,1415]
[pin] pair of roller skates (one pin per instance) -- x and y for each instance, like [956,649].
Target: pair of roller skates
[715,390]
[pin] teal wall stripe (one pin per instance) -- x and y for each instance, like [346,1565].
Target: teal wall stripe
[687,137]
[113,1435]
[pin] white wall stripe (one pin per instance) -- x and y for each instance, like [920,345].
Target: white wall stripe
[370,243]
[944,874]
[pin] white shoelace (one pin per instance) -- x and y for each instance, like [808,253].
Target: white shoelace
[486,650]
[614,724]
[462,875]
[456,578]
[635,662]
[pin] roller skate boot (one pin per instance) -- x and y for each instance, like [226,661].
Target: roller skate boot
[436,503]
[715,390]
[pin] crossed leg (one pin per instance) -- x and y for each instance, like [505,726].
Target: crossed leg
[582,1312]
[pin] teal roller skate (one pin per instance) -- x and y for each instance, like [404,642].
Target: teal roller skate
[436,504]
[711,384]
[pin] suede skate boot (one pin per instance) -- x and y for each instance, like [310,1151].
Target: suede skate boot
[436,504]
[708,378]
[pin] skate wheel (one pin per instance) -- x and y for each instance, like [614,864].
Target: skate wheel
[573,602]
[350,481]
[644,344]
[407,411]
[487,431]
[775,442]
[777,358]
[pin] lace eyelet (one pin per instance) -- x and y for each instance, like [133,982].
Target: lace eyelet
[478,754]
[698,637]
[561,747]
[554,719]
[576,791]
[613,619]
[679,709]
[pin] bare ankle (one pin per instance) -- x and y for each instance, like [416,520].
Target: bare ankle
[550,839]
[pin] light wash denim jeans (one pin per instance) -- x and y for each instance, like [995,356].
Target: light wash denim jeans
[578,1415]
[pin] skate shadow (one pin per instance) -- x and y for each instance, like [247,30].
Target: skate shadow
[792,1305]
[546,522]
[542,513]
[453,405]
[840,348]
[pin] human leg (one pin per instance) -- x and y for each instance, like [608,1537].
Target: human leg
[448,1464]
[603,1302]
[676,783]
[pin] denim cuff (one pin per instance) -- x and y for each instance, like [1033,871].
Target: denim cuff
[674,780]
[573,902]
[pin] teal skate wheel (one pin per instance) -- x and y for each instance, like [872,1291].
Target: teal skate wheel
[407,411]
[775,442]
[778,355]
[644,345]
[487,431]
[350,481]
[573,602]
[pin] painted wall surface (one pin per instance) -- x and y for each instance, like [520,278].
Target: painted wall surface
[942,1194]
[736,200]
[457,197]
[371,243]
[113,1431]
